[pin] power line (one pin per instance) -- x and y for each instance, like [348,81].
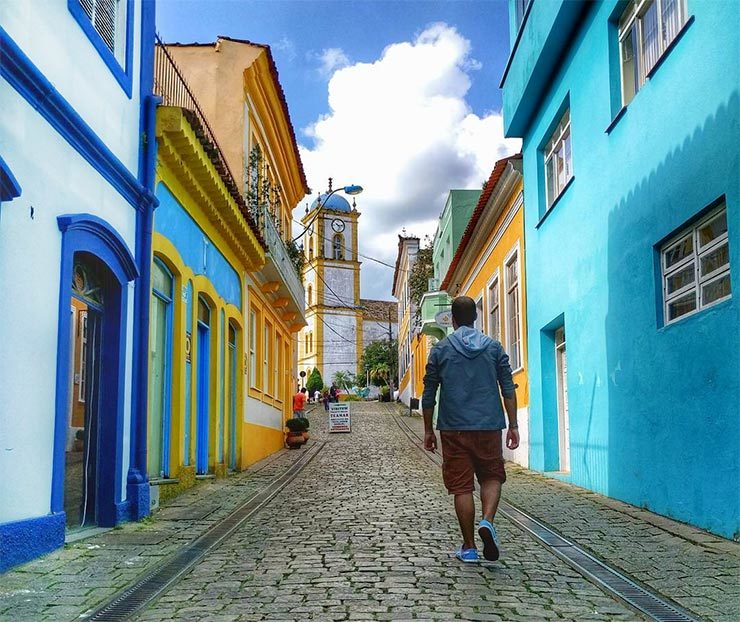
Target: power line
[344,247]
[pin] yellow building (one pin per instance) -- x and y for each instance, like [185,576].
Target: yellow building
[227,301]
[408,370]
[488,266]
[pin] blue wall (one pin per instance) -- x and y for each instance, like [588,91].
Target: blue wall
[197,250]
[654,416]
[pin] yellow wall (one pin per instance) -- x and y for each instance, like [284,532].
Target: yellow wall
[420,353]
[511,236]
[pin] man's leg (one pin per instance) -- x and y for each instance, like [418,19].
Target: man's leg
[490,494]
[465,510]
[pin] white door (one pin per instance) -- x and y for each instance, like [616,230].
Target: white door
[563,420]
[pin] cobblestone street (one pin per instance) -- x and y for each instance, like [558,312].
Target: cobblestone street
[366,531]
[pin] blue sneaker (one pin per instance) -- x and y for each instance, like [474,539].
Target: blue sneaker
[469,556]
[491,546]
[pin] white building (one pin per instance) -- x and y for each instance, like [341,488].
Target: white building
[76,118]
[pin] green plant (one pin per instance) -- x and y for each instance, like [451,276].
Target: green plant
[297,424]
[305,421]
[379,361]
[421,272]
[297,258]
[314,382]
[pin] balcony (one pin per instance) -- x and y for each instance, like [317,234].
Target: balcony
[279,269]
[431,304]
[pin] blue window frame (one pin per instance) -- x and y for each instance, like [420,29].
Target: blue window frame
[120,65]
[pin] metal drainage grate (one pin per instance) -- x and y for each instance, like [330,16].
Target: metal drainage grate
[134,598]
[648,602]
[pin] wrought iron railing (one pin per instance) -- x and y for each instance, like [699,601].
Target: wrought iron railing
[171,86]
[280,257]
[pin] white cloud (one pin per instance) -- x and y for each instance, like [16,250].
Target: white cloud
[287,46]
[332,59]
[401,127]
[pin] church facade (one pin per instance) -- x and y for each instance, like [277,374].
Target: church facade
[339,323]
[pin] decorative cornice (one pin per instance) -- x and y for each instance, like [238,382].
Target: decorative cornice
[182,152]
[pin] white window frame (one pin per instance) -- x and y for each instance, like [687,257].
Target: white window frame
[480,309]
[632,20]
[513,253]
[556,144]
[494,282]
[252,348]
[694,258]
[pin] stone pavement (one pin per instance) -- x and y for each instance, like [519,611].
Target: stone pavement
[696,569]
[79,577]
[366,532]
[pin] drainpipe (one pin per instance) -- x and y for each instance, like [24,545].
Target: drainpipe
[137,481]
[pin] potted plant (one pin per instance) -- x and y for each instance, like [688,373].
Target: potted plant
[297,428]
[385,393]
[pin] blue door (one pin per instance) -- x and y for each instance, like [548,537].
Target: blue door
[201,422]
[232,398]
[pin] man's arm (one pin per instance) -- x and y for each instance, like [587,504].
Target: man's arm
[508,391]
[429,399]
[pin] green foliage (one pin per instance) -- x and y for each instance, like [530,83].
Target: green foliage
[344,379]
[379,361]
[314,382]
[297,258]
[421,272]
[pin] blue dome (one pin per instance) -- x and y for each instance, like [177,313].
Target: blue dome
[336,202]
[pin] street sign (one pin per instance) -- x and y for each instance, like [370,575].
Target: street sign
[444,318]
[339,417]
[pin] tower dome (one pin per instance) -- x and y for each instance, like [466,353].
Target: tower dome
[336,202]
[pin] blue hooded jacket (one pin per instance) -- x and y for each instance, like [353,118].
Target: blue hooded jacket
[470,367]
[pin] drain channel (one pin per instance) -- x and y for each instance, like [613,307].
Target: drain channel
[137,596]
[651,604]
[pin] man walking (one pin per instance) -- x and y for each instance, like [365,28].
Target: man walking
[299,403]
[470,368]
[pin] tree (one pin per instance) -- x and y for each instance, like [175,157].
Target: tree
[379,361]
[314,382]
[421,272]
[344,379]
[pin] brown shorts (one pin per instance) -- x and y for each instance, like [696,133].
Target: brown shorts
[471,451]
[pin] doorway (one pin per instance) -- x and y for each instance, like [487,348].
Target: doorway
[561,368]
[160,354]
[203,387]
[81,458]
[232,397]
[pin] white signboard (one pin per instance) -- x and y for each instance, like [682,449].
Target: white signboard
[339,417]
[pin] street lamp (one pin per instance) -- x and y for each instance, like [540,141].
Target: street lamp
[351,190]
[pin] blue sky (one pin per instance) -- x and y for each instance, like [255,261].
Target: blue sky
[401,97]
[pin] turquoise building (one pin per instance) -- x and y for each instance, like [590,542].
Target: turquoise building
[628,112]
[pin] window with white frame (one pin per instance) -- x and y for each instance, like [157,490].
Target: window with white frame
[494,310]
[646,29]
[479,317]
[513,334]
[252,349]
[696,267]
[108,17]
[558,160]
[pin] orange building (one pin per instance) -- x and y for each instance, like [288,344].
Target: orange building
[488,266]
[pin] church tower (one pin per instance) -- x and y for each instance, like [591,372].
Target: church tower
[332,339]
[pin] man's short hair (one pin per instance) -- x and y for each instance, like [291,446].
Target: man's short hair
[463,311]
[303,389]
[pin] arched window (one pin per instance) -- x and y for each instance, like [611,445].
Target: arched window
[310,340]
[305,345]
[309,295]
[338,246]
[310,249]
